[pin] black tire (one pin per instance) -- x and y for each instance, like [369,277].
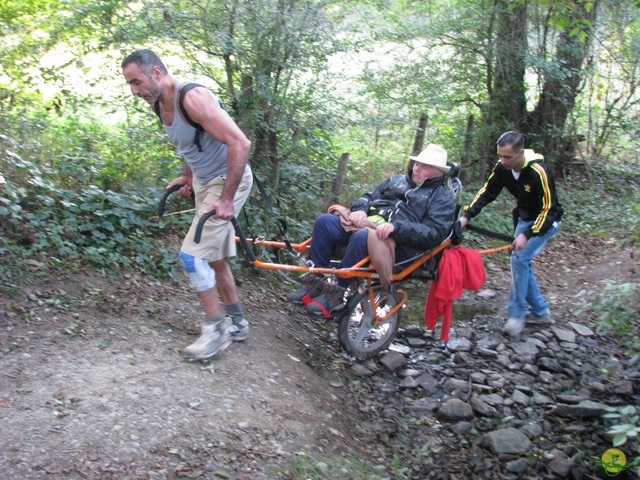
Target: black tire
[356,332]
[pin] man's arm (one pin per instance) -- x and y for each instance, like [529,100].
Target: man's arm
[487,194]
[365,200]
[203,109]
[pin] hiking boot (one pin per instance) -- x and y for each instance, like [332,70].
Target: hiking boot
[544,319]
[312,285]
[322,305]
[513,326]
[214,339]
[239,331]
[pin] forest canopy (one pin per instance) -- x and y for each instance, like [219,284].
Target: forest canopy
[313,79]
[309,82]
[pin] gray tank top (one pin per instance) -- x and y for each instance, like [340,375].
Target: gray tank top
[206,165]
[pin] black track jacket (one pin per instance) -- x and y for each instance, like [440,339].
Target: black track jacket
[535,193]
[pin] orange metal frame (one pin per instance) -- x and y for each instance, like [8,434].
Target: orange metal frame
[362,270]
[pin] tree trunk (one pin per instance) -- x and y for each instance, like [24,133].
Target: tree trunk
[466,150]
[506,55]
[546,124]
[274,159]
[508,94]
[243,101]
[418,141]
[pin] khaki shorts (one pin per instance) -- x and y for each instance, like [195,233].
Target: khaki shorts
[218,238]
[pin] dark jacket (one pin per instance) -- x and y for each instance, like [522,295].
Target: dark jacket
[422,215]
[534,190]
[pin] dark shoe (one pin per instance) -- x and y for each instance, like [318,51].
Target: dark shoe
[312,285]
[544,319]
[322,305]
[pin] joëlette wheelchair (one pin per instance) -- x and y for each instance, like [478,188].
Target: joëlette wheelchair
[370,315]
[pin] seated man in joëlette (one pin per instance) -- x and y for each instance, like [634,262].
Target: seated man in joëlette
[404,216]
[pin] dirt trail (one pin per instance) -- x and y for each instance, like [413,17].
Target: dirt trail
[94,386]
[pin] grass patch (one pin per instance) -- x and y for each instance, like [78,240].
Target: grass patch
[304,467]
[615,309]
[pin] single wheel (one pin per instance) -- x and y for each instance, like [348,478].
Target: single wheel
[356,330]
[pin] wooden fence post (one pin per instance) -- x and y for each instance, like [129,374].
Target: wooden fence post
[338,185]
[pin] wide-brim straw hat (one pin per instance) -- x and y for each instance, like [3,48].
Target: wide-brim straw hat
[433,155]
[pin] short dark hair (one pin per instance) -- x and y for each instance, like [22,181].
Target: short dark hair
[513,138]
[146,60]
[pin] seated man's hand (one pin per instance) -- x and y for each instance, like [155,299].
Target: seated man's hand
[357,217]
[463,221]
[383,231]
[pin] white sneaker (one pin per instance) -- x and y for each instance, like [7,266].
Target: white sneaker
[239,331]
[513,326]
[214,339]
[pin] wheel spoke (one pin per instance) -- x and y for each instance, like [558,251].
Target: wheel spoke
[358,334]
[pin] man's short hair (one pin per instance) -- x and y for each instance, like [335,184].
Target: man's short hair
[146,60]
[513,138]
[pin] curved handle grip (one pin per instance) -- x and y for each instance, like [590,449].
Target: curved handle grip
[239,233]
[203,219]
[248,251]
[163,199]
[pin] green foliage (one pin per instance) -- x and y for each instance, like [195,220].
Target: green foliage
[616,310]
[622,432]
[265,56]
[312,78]
[53,217]
[78,149]
[607,114]
[586,213]
[562,15]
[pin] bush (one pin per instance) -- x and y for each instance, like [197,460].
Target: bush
[615,311]
[45,226]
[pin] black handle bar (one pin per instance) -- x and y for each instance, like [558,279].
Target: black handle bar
[163,199]
[234,221]
[489,233]
[198,235]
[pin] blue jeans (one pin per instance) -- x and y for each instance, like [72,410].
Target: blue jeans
[329,237]
[524,288]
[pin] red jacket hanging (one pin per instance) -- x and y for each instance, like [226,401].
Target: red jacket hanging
[459,269]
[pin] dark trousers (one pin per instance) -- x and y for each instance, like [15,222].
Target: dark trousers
[329,237]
